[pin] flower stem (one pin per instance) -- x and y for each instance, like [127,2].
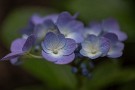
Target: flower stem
[35,56]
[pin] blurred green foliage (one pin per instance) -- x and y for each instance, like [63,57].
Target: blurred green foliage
[60,76]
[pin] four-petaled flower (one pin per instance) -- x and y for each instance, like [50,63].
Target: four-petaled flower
[94,47]
[116,47]
[58,49]
[70,27]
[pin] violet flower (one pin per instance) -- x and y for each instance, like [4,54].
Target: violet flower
[19,47]
[58,49]
[70,27]
[42,29]
[116,47]
[94,47]
[94,28]
[37,19]
[111,26]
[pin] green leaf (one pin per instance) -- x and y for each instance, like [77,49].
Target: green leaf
[35,87]
[108,73]
[56,76]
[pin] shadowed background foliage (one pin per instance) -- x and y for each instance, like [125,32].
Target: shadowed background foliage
[42,75]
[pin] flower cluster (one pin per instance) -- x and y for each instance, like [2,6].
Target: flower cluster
[60,38]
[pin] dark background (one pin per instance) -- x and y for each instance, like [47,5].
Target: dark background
[22,78]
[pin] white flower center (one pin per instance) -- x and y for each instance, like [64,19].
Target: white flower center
[55,51]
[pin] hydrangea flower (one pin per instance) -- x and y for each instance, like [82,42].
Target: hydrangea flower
[107,26]
[42,29]
[70,27]
[94,28]
[34,21]
[62,39]
[19,47]
[37,19]
[58,49]
[111,26]
[94,47]
[116,47]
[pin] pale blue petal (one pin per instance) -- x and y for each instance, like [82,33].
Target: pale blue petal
[78,37]
[29,43]
[47,26]
[64,18]
[49,57]
[65,59]
[104,46]
[116,50]
[17,45]
[51,40]
[110,25]
[69,47]
[12,55]
[112,37]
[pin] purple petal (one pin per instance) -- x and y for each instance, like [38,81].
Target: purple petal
[36,19]
[12,55]
[50,26]
[92,39]
[115,54]
[75,26]
[65,59]
[62,41]
[50,40]
[69,47]
[42,29]
[15,61]
[53,17]
[94,28]
[78,37]
[29,43]
[53,41]
[110,25]
[116,50]
[49,57]
[17,45]
[112,37]
[105,46]
[64,18]
[121,35]
[60,59]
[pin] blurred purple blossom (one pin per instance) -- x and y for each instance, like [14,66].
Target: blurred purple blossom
[19,47]
[94,47]
[116,47]
[70,27]
[58,49]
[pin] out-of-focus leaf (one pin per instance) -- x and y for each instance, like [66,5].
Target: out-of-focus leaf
[101,9]
[18,19]
[128,86]
[55,76]
[35,87]
[108,73]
